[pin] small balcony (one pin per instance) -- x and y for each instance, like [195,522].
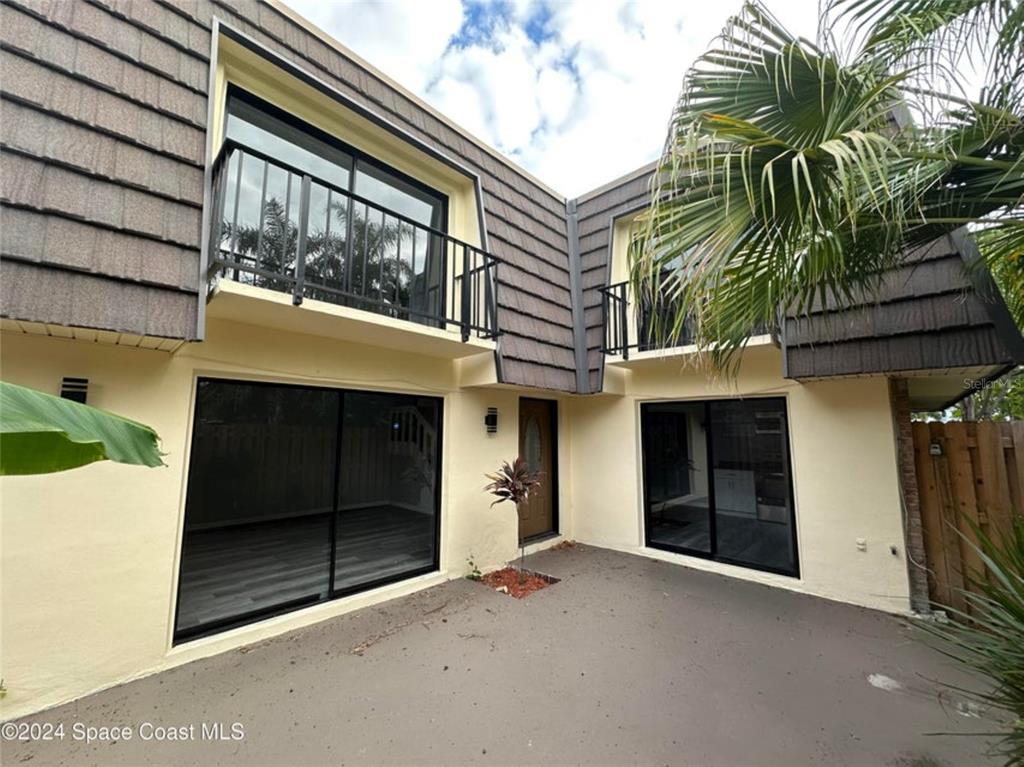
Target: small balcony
[277,228]
[630,326]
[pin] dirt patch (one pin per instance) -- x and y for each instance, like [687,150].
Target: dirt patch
[507,580]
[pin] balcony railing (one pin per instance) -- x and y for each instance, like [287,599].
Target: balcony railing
[631,325]
[275,226]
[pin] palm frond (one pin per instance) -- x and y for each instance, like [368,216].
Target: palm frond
[988,637]
[788,179]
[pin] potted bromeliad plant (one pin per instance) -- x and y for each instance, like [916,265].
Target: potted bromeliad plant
[513,483]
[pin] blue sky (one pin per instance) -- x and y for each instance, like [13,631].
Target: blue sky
[575,92]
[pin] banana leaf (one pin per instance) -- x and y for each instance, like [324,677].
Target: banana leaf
[41,434]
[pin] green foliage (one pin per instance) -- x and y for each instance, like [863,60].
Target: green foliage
[474,573]
[989,636]
[793,173]
[375,270]
[40,434]
[999,400]
[1006,263]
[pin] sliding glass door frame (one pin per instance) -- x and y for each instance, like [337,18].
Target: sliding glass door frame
[713,554]
[332,593]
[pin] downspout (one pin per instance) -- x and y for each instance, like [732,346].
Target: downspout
[579,329]
[204,222]
[481,219]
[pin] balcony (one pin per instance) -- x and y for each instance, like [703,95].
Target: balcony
[629,326]
[279,229]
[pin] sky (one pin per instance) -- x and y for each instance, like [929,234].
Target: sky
[577,93]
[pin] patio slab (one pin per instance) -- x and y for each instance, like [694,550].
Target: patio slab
[625,661]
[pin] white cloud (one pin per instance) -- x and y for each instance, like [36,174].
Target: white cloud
[573,126]
[404,39]
[504,80]
[556,96]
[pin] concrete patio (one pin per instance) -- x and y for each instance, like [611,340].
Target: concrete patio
[626,661]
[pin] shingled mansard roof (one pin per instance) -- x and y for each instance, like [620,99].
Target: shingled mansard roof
[104,152]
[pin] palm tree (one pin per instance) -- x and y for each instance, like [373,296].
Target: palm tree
[271,246]
[376,272]
[796,170]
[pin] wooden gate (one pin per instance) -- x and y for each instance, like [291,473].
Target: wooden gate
[965,471]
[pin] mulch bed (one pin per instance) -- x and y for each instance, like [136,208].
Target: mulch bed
[507,579]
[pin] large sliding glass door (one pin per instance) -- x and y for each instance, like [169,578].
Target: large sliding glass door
[299,494]
[717,481]
[388,488]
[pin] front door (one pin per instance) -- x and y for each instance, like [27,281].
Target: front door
[538,420]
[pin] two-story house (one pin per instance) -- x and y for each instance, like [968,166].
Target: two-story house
[339,310]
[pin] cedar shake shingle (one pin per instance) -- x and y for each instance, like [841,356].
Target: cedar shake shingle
[85,63]
[131,77]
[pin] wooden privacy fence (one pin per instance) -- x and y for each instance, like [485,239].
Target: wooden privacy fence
[965,471]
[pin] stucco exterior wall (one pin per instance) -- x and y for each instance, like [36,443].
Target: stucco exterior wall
[89,557]
[842,447]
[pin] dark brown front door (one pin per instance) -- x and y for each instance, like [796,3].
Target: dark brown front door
[538,419]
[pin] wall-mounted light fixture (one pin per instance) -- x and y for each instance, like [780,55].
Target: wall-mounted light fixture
[491,420]
[75,389]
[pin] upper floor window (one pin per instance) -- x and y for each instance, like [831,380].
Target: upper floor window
[258,128]
[258,125]
[300,211]
[313,195]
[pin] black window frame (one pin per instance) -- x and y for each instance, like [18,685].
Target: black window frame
[358,156]
[712,555]
[237,621]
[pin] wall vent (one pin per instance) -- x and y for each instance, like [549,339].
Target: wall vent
[74,389]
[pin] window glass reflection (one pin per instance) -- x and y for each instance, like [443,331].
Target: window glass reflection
[255,128]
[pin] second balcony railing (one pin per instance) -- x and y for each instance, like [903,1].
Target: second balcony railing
[278,227]
[631,325]
[645,325]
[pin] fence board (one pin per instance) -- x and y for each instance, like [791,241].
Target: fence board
[943,561]
[993,485]
[976,473]
[1015,465]
[963,465]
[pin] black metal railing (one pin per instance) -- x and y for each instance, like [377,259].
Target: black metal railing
[638,325]
[646,324]
[275,226]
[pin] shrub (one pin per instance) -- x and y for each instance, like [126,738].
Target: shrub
[988,637]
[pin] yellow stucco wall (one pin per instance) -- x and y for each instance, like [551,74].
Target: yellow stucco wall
[88,558]
[843,452]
